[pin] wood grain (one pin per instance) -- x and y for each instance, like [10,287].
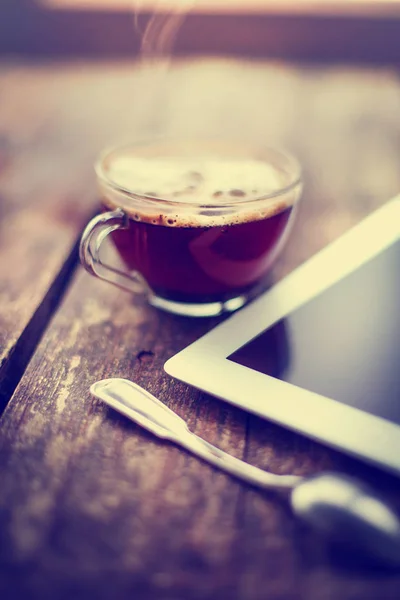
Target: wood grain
[90,505]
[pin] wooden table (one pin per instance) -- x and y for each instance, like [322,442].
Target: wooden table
[90,505]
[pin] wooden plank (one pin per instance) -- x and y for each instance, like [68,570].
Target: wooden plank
[40,220]
[318,32]
[92,506]
[363,8]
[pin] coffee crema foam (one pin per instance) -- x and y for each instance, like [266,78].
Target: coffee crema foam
[204,190]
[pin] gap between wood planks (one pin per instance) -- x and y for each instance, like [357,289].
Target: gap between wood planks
[14,366]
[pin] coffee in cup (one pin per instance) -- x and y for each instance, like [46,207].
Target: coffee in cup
[197,224]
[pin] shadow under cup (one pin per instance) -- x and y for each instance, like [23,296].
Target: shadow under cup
[196,224]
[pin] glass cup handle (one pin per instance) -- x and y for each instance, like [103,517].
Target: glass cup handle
[97,230]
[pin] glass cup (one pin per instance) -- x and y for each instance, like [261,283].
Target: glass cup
[197,223]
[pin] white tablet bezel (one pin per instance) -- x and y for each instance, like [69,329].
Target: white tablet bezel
[204,363]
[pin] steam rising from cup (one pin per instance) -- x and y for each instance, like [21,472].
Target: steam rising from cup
[161,30]
[157,40]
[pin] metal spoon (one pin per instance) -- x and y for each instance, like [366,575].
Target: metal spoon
[334,504]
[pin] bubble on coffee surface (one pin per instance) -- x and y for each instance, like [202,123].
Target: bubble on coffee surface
[199,185]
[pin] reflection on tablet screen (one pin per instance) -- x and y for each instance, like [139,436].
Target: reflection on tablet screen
[344,344]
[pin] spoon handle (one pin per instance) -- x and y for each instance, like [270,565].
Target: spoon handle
[146,410]
[234,466]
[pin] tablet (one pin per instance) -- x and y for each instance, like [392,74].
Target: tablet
[320,351]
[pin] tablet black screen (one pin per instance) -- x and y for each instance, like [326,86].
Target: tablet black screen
[344,343]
